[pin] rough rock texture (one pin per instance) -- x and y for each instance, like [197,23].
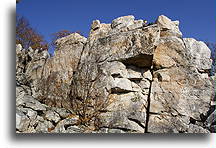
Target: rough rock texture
[127,77]
[35,117]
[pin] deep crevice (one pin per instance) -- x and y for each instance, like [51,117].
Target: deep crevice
[135,80]
[148,105]
[117,90]
[137,122]
[40,112]
[119,128]
[66,126]
[116,75]
[53,122]
[141,60]
[192,121]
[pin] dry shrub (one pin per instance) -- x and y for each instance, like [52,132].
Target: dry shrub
[86,100]
[53,91]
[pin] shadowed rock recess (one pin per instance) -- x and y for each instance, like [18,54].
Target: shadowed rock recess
[126,77]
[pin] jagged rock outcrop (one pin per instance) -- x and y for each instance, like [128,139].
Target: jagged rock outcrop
[125,77]
[33,116]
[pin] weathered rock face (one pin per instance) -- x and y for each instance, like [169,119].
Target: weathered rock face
[54,86]
[168,27]
[126,77]
[34,117]
[50,78]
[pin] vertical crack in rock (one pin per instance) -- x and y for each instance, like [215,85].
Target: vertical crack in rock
[149,105]
[84,46]
[74,72]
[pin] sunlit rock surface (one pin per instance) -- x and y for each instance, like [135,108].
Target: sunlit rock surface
[126,77]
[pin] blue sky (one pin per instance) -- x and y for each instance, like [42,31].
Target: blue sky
[197,17]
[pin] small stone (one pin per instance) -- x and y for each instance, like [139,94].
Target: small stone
[63,125]
[117,69]
[33,103]
[44,127]
[176,23]
[95,25]
[134,73]
[213,103]
[147,74]
[123,21]
[211,119]
[162,76]
[74,129]
[137,24]
[31,114]
[204,76]
[45,54]
[19,47]
[63,113]
[135,87]
[52,116]
[121,85]
[22,121]
[197,129]
[144,84]
[115,131]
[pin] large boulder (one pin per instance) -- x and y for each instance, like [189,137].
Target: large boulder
[168,27]
[123,21]
[200,54]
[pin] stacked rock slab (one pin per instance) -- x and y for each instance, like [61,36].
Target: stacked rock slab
[32,115]
[181,89]
[50,78]
[125,77]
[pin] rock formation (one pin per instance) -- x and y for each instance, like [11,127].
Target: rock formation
[126,77]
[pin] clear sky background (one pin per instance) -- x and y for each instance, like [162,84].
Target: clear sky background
[197,17]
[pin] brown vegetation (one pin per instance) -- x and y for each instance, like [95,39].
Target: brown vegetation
[86,101]
[27,36]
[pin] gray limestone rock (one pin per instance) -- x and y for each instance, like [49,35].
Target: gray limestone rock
[95,25]
[200,54]
[22,121]
[168,27]
[52,116]
[126,77]
[122,21]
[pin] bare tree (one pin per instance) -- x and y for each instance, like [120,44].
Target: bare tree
[27,36]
